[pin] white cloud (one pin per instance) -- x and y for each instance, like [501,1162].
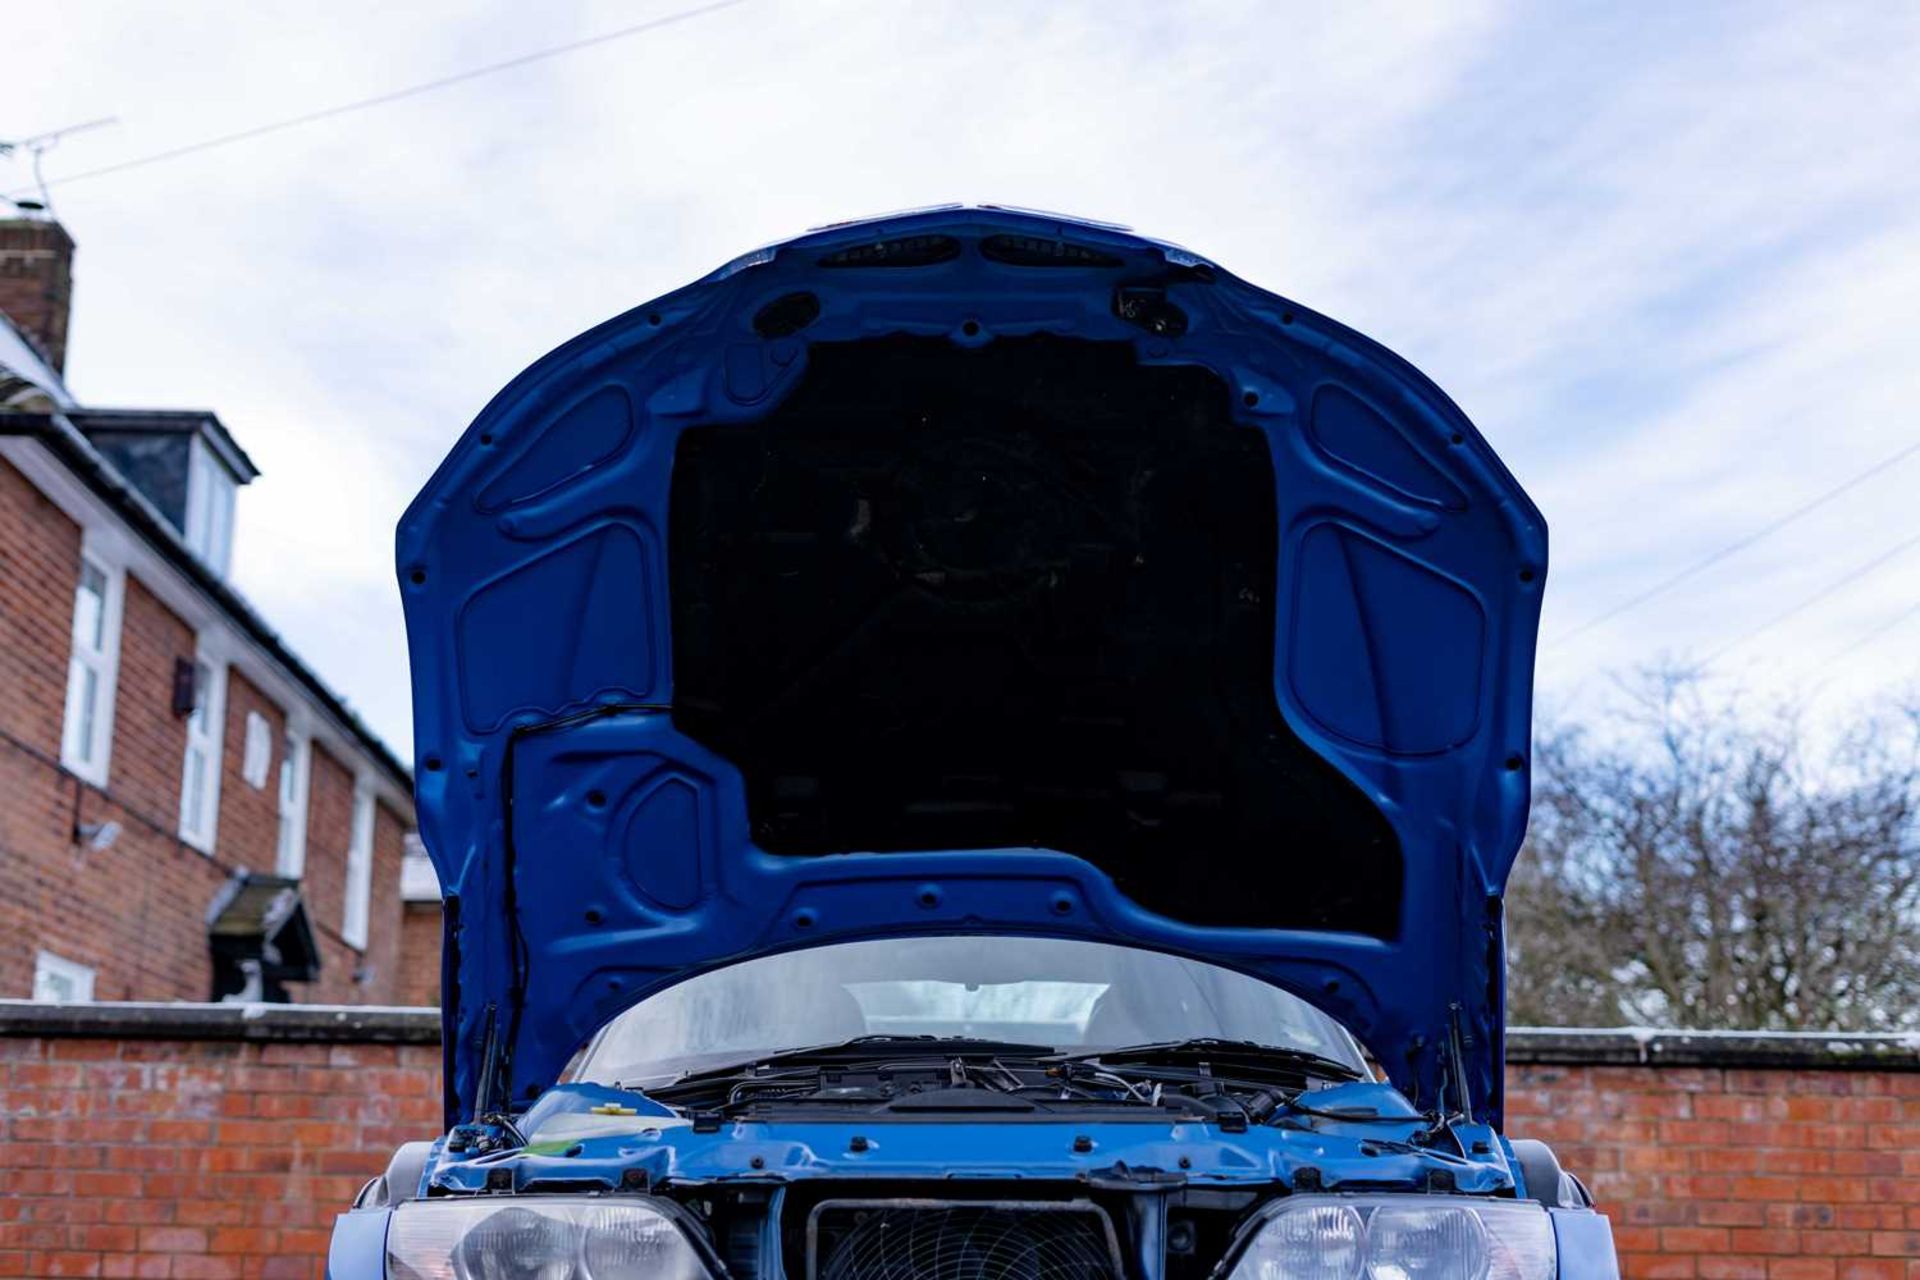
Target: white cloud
[1664,255]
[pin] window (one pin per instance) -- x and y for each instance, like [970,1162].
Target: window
[210,494]
[290,858]
[87,732]
[60,980]
[258,756]
[200,769]
[353,921]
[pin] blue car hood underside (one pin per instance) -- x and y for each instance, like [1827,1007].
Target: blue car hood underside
[972,571]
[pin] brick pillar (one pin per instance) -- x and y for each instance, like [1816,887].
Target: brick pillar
[36,282]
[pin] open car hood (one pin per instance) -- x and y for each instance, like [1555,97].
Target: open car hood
[972,571]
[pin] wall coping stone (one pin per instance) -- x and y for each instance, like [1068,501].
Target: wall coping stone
[162,1020]
[1648,1046]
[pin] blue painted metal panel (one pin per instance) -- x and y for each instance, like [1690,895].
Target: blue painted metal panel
[1586,1245]
[358,1250]
[669,1150]
[533,574]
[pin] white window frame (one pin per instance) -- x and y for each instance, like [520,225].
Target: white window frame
[211,492]
[256,759]
[296,772]
[206,729]
[86,750]
[358,907]
[48,967]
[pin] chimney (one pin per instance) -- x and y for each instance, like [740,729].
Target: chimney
[36,282]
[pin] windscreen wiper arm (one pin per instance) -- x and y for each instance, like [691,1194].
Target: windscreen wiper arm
[1213,1048]
[862,1049]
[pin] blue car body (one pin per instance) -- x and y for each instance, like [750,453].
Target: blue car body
[627,778]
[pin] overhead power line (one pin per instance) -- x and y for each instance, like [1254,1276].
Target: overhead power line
[1740,544]
[1876,632]
[1844,580]
[381,99]
[1871,635]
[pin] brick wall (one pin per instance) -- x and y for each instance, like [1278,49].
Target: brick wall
[207,1141]
[135,912]
[249,815]
[149,740]
[1736,1158]
[420,940]
[349,974]
[39,560]
[382,956]
[159,1152]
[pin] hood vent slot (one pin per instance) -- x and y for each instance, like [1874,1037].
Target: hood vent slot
[1032,251]
[907,251]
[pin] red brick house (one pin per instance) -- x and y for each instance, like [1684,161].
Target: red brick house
[186,809]
[420,928]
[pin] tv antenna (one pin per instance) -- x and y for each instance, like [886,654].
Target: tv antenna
[37,146]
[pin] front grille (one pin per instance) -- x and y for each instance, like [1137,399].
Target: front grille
[961,1240]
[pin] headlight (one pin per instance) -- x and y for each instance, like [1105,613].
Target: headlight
[1403,1237]
[502,1239]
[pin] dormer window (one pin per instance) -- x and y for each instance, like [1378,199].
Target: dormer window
[210,492]
[181,461]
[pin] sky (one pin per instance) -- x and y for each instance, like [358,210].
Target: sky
[1667,257]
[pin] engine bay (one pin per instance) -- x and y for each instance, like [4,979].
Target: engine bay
[889,1157]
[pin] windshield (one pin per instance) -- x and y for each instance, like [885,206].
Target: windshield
[1055,992]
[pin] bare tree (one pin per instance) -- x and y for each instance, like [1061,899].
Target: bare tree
[1699,871]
